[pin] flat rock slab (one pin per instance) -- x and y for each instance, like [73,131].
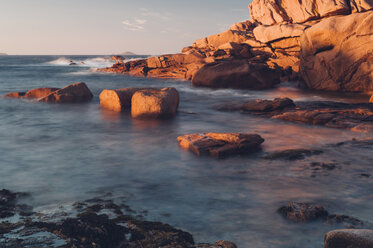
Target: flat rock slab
[349,238]
[221,144]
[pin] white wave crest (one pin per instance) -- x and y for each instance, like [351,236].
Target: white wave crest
[94,63]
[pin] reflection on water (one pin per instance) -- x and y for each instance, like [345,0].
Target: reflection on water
[65,153]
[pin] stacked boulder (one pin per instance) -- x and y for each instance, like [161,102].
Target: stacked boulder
[142,102]
[326,43]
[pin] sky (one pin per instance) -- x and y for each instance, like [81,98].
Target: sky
[93,27]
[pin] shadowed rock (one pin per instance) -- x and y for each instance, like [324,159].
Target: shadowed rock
[349,238]
[155,103]
[221,144]
[236,74]
[73,93]
[292,154]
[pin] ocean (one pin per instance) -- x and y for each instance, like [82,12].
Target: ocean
[65,153]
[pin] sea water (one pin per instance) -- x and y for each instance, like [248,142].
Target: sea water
[66,153]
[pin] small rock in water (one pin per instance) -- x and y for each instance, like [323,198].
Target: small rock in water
[78,92]
[323,166]
[292,154]
[349,238]
[14,95]
[268,105]
[221,144]
[302,212]
[347,221]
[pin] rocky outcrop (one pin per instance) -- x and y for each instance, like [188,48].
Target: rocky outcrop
[269,12]
[337,53]
[221,144]
[155,103]
[349,238]
[287,35]
[78,92]
[371,99]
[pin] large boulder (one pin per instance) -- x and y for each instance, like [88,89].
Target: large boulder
[337,54]
[117,100]
[155,103]
[236,74]
[269,12]
[221,144]
[78,92]
[349,238]
[39,92]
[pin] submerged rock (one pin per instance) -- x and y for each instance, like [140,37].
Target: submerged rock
[155,103]
[349,238]
[302,212]
[78,92]
[268,105]
[9,206]
[221,144]
[292,154]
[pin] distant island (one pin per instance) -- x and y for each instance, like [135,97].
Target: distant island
[128,53]
[3,54]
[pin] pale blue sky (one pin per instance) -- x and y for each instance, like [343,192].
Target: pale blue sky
[112,26]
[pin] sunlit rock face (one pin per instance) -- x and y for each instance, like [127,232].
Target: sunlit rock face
[269,12]
[337,53]
[74,93]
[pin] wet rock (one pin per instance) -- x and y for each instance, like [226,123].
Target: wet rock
[349,238]
[224,244]
[15,95]
[331,62]
[88,229]
[347,221]
[39,92]
[322,166]
[155,103]
[292,154]
[74,93]
[236,74]
[221,144]
[9,206]
[268,105]
[118,59]
[331,114]
[371,99]
[302,212]
[118,100]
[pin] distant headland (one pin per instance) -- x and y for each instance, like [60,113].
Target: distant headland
[3,54]
[128,53]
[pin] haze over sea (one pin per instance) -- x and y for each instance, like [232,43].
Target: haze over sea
[65,153]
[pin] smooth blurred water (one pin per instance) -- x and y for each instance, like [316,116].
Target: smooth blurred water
[66,153]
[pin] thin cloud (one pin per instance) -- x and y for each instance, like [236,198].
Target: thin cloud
[136,25]
[148,13]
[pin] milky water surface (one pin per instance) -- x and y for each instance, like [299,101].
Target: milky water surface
[65,153]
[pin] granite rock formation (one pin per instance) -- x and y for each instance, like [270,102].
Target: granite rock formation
[334,38]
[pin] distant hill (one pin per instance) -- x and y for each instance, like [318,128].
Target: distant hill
[128,53]
[3,54]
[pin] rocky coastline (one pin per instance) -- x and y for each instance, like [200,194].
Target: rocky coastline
[283,41]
